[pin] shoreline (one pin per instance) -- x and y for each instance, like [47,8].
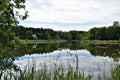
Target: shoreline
[82,41]
[100,41]
[40,41]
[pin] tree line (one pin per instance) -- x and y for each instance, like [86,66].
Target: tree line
[97,33]
[7,34]
[104,33]
[46,34]
[10,32]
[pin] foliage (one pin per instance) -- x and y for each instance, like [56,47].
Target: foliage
[104,33]
[8,15]
[43,74]
[116,73]
[29,34]
[8,18]
[56,74]
[7,37]
[47,34]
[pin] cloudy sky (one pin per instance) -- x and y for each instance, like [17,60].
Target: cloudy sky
[68,15]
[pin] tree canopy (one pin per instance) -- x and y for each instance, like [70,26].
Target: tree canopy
[9,15]
[105,33]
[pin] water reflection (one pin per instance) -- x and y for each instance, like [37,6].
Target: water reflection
[80,60]
[96,50]
[112,51]
[98,59]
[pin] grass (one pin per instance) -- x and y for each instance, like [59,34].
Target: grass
[56,74]
[101,41]
[40,41]
[82,41]
[116,73]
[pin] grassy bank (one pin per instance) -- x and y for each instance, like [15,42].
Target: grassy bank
[101,41]
[82,41]
[40,41]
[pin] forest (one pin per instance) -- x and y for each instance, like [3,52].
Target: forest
[46,34]
[11,32]
[97,33]
[104,33]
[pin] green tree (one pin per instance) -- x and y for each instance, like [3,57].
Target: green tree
[62,35]
[8,15]
[101,33]
[92,33]
[8,18]
[29,34]
[47,35]
[78,36]
[68,36]
[72,33]
[57,37]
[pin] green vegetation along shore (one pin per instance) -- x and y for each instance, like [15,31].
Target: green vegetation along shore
[56,74]
[40,41]
[81,41]
[101,41]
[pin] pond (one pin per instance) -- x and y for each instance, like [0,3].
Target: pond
[97,60]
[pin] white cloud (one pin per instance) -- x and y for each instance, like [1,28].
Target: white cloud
[73,11]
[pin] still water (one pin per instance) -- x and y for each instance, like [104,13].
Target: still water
[97,60]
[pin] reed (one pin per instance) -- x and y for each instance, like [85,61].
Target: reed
[43,74]
[57,74]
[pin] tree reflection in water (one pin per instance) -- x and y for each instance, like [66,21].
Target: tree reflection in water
[112,51]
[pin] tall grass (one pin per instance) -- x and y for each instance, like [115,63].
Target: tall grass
[116,73]
[43,74]
[56,74]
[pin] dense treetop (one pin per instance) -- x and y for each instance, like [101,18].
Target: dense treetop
[104,33]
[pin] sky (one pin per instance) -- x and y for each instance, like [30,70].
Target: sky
[66,15]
